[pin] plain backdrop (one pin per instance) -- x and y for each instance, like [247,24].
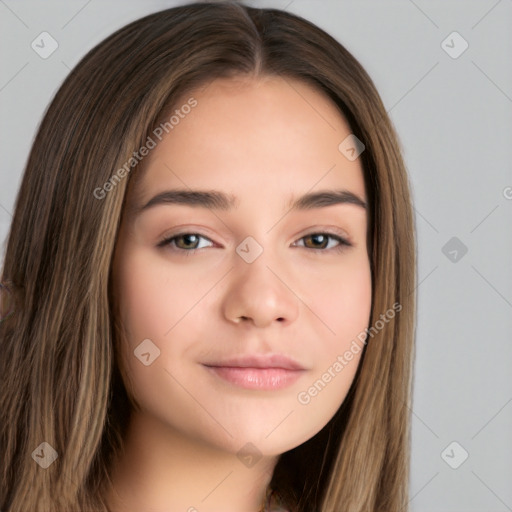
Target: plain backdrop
[452,107]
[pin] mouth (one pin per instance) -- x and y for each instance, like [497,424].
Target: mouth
[266,379]
[260,372]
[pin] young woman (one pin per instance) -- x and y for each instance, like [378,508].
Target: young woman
[210,279]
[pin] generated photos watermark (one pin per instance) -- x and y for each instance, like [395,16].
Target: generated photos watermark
[158,133]
[304,397]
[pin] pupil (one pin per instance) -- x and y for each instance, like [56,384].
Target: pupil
[187,239]
[316,237]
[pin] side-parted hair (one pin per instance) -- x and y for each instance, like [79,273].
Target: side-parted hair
[60,380]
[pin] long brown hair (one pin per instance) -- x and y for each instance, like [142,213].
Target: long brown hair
[60,381]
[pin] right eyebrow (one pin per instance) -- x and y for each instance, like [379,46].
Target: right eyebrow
[211,199]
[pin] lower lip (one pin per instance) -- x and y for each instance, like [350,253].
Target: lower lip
[266,379]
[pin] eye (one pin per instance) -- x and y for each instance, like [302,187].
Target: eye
[320,241]
[190,242]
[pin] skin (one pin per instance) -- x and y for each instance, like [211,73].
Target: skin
[266,141]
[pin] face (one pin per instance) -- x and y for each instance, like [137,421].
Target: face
[238,313]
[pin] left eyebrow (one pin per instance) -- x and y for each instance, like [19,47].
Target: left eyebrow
[217,200]
[326,198]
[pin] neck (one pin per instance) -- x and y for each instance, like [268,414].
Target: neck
[161,468]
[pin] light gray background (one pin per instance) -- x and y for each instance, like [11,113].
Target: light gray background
[454,120]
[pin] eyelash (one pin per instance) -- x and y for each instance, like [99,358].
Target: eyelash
[343,243]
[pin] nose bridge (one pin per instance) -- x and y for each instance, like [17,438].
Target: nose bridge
[258,259]
[258,288]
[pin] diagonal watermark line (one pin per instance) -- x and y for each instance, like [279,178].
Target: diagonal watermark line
[416,494]
[301,300]
[424,14]
[421,420]
[288,5]
[410,408]
[286,213]
[2,1]
[491,419]
[77,13]
[494,288]
[15,75]
[6,210]
[199,301]
[484,218]
[492,81]
[284,78]
[424,279]
[222,481]
[426,220]
[413,87]
[491,490]
[199,403]
[485,15]
[280,423]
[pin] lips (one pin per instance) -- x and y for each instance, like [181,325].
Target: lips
[258,361]
[259,372]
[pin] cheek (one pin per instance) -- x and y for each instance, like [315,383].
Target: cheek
[153,305]
[343,302]
[151,300]
[146,306]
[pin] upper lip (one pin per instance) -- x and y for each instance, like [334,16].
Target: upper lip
[258,361]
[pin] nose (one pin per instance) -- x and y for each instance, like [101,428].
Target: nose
[261,293]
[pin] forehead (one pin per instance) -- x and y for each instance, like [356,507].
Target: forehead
[253,137]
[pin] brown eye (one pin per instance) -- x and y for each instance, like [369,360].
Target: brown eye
[186,242]
[190,241]
[320,241]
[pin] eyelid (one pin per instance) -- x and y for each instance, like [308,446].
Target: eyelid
[329,230]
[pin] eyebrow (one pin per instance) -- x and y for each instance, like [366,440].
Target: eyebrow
[216,200]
